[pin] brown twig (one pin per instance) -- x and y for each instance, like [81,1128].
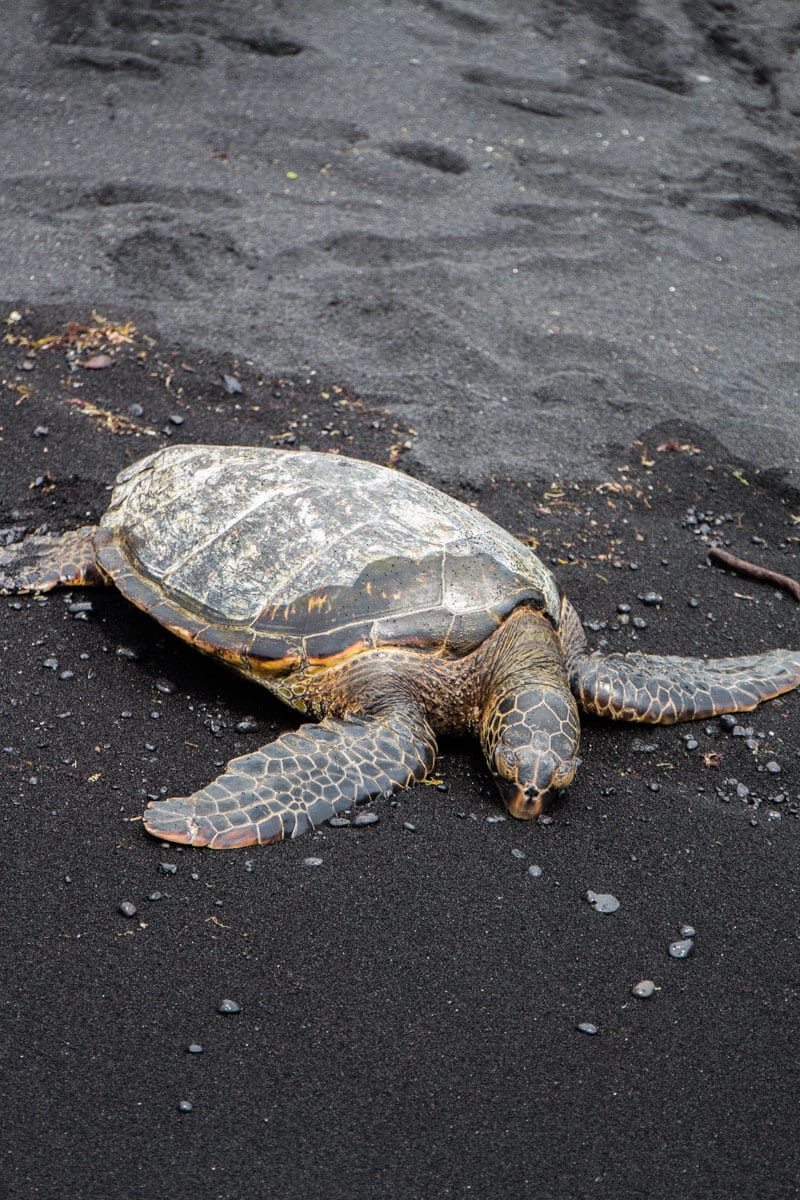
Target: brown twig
[751,571]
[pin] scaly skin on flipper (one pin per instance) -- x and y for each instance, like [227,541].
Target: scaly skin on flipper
[300,781]
[663,689]
[44,561]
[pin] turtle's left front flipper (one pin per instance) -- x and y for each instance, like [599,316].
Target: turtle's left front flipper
[299,781]
[663,689]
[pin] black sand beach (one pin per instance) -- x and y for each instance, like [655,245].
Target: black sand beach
[543,256]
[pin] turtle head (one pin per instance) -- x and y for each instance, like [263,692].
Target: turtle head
[531,745]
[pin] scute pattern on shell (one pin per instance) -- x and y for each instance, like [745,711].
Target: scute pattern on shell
[306,543]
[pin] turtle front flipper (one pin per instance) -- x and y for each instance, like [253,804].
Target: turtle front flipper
[48,560]
[661,690]
[299,781]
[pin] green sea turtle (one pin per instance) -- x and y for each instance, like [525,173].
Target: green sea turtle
[381,607]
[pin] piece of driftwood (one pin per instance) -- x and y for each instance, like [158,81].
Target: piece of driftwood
[751,571]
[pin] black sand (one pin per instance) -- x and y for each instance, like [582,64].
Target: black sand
[409,1008]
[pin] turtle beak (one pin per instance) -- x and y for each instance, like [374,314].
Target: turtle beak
[525,803]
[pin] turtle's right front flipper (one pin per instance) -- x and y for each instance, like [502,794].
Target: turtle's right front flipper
[299,781]
[44,561]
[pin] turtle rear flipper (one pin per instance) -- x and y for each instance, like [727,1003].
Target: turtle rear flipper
[44,561]
[299,781]
[661,690]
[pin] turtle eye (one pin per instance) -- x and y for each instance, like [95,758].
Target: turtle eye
[505,762]
[565,772]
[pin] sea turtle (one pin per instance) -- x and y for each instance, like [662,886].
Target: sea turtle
[383,608]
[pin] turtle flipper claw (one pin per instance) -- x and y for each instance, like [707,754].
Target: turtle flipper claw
[298,782]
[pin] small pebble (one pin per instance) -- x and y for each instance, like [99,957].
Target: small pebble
[66,675]
[534,871]
[176,418]
[602,902]
[691,743]
[195,1048]
[517,853]
[408,825]
[366,818]
[168,868]
[494,820]
[773,767]
[247,725]
[128,908]
[311,861]
[651,599]
[681,949]
[643,989]
[185,1105]
[687,931]
[339,823]
[135,410]
[51,664]
[231,385]
[229,1006]
[639,623]
[587,1027]
[165,687]
[728,721]
[155,896]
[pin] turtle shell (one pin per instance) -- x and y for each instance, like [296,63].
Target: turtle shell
[269,557]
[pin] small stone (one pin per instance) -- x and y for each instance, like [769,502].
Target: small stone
[66,675]
[165,687]
[773,767]
[231,385]
[517,853]
[694,602]
[51,664]
[185,1106]
[742,791]
[339,823]
[135,410]
[176,418]
[681,949]
[128,908]
[623,608]
[366,818]
[587,1027]
[311,861]
[155,896]
[534,871]
[247,725]
[168,868]
[228,1007]
[195,1048]
[651,599]
[691,743]
[602,902]
[409,826]
[643,989]
[495,820]
[687,931]
[639,623]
